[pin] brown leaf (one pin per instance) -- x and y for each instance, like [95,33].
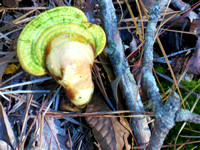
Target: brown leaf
[11,68]
[59,2]
[53,136]
[9,3]
[137,69]
[178,63]
[2,69]
[107,67]
[3,63]
[195,26]
[6,133]
[137,75]
[193,65]
[108,132]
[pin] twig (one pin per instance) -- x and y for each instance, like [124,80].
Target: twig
[36,118]
[162,59]
[164,114]
[26,91]
[25,8]
[184,6]
[186,115]
[26,83]
[120,65]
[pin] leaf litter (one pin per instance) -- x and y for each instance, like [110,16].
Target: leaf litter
[23,95]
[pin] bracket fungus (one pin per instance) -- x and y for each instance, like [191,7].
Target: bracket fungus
[62,43]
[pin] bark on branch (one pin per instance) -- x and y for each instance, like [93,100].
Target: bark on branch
[167,114]
[186,115]
[128,85]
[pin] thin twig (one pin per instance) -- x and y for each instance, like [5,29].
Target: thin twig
[26,83]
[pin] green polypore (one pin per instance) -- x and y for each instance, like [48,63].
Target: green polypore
[67,20]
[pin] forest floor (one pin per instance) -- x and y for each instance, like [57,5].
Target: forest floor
[147,84]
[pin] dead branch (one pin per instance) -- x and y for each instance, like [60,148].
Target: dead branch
[128,85]
[164,114]
[184,6]
[186,115]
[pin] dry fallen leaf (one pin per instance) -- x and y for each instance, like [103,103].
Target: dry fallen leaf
[11,68]
[6,134]
[53,136]
[2,69]
[9,3]
[193,65]
[107,66]
[137,75]
[195,26]
[108,131]
[3,63]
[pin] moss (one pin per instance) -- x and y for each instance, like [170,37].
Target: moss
[174,132]
[191,85]
[189,104]
[161,69]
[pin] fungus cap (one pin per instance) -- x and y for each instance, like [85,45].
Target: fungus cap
[67,20]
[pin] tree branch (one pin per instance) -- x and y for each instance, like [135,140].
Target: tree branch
[128,85]
[186,115]
[164,114]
